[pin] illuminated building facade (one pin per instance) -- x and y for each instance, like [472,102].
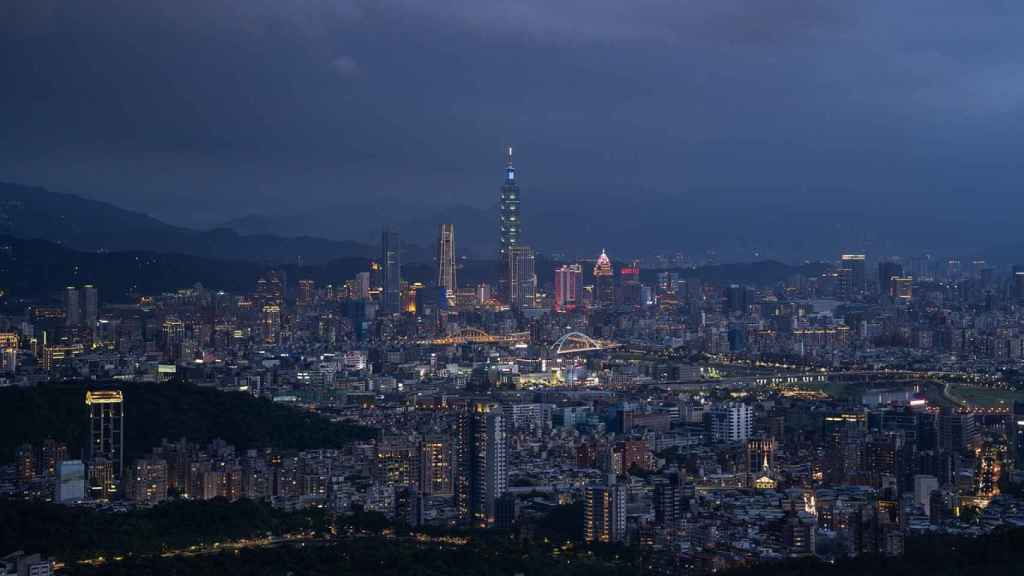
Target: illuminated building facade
[391,264]
[521,279]
[106,431]
[567,286]
[604,510]
[446,261]
[604,280]
[436,466]
[851,275]
[483,469]
[509,223]
[307,292]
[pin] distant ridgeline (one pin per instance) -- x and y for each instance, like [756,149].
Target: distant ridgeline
[171,410]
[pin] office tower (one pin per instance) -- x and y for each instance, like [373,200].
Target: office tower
[173,335]
[91,306]
[521,280]
[271,323]
[72,307]
[482,473]
[106,430]
[729,422]
[362,287]
[70,482]
[604,280]
[604,513]
[391,264]
[446,261]
[307,292]
[855,278]
[436,467]
[958,432]
[509,221]
[886,272]
[567,284]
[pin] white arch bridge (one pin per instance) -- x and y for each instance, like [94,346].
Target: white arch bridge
[577,342]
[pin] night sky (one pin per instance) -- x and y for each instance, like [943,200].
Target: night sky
[201,111]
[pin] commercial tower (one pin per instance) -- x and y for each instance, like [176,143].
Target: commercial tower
[604,280]
[509,231]
[72,307]
[482,475]
[520,276]
[106,430]
[446,261]
[391,262]
[567,281]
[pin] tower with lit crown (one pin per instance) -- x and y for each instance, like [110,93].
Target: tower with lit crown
[508,226]
[604,280]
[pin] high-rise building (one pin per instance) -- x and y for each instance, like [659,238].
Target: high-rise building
[446,261]
[72,307]
[902,287]
[90,302]
[106,429]
[436,466]
[70,485]
[391,261]
[307,291]
[146,481]
[520,276]
[567,285]
[604,280]
[729,422]
[271,323]
[483,470]
[361,290]
[509,220]
[853,280]
[604,513]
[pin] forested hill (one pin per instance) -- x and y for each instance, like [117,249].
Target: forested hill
[169,410]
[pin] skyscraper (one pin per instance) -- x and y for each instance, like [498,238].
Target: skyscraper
[604,509]
[106,429]
[567,280]
[91,304]
[391,261]
[886,272]
[482,471]
[855,275]
[520,276]
[509,222]
[446,261]
[604,280]
[72,307]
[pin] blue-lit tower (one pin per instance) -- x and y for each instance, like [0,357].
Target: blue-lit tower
[509,220]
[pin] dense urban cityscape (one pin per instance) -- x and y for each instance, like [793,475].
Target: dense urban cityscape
[834,413]
[511,288]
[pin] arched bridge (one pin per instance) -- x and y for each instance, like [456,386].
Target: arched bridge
[577,342]
[477,336]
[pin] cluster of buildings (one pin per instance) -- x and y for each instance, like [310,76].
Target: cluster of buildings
[674,411]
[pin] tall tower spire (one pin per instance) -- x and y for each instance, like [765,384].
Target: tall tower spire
[508,207]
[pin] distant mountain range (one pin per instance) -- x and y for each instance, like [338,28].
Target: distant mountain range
[702,226]
[89,225]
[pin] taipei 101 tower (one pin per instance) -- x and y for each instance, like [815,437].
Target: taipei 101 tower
[508,222]
[509,210]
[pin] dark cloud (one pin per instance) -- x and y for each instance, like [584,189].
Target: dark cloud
[200,109]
